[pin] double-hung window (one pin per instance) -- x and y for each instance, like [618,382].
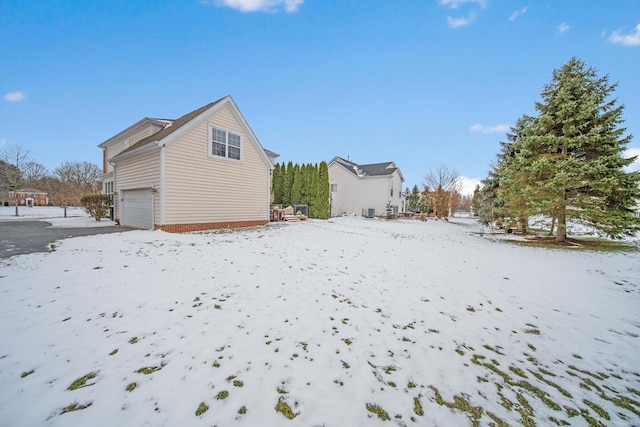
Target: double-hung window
[225,143]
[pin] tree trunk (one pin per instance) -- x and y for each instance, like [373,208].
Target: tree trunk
[522,224]
[553,225]
[561,232]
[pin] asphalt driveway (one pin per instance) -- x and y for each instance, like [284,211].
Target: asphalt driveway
[29,236]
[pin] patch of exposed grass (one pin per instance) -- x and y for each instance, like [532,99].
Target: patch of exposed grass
[75,406]
[498,422]
[596,376]
[222,395]
[285,409]
[133,340]
[623,402]
[460,403]
[113,352]
[587,244]
[148,370]
[559,422]
[238,383]
[494,349]
[242,410]
[519,372]
[26,373]
[417,407]
[552,384]
[590,420]
[202,408]
[82,382]
[597,409]
[542,395]
[131,386]
[376,409]
[525,410]
[571,412]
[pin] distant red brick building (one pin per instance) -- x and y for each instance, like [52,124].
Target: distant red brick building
[29,197]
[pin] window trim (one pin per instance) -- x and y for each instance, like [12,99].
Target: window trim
[210,143]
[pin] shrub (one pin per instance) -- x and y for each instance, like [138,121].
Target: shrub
[96,205]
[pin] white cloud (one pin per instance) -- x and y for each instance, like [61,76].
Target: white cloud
[635,166]
[454,4]
[563,28]
[502,128]
[16,96]
[460,22]
[289,6]
[631,39]
[517,13]
[469,185]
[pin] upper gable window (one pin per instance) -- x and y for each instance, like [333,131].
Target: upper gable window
[224,143]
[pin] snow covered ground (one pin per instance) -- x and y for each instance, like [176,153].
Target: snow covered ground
[76,217]
[346,322]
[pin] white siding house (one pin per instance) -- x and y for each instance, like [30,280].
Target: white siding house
[365,189]
[204,170]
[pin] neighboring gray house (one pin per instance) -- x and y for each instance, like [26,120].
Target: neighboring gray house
[365,189]
[204,170]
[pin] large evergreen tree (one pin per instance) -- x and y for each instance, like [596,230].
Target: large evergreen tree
[296,187]
[501,198]
[573,159]
[277,184]
[322,195]
[287,186]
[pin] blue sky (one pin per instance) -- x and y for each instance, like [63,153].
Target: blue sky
[423,83]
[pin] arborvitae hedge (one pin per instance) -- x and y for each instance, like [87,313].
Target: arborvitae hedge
[306,184]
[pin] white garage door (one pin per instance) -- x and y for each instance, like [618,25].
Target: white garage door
[136,208]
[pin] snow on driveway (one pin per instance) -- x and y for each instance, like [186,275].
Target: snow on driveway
[346,322]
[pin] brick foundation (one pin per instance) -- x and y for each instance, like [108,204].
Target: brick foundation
[183,228]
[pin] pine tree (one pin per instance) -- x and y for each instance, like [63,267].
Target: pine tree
[508,178]
[287,184]
[413,199]
[312,171]
[573,158]
[296,187]
[322,197]
[277,184]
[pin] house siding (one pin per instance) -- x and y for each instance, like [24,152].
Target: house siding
[215,190]
[136,173]
[126,141]
[357,194]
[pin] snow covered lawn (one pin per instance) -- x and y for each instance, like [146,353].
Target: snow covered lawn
[76,217]
[346,322]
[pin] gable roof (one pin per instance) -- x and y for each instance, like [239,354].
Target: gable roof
[368,170]
[146,120]
[169,128]
[176,128]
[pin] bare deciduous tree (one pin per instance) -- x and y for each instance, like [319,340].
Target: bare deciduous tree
[77,179]
[442,189]
[33,173]
[16,157]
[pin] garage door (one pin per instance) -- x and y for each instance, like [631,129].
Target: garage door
[137,208]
